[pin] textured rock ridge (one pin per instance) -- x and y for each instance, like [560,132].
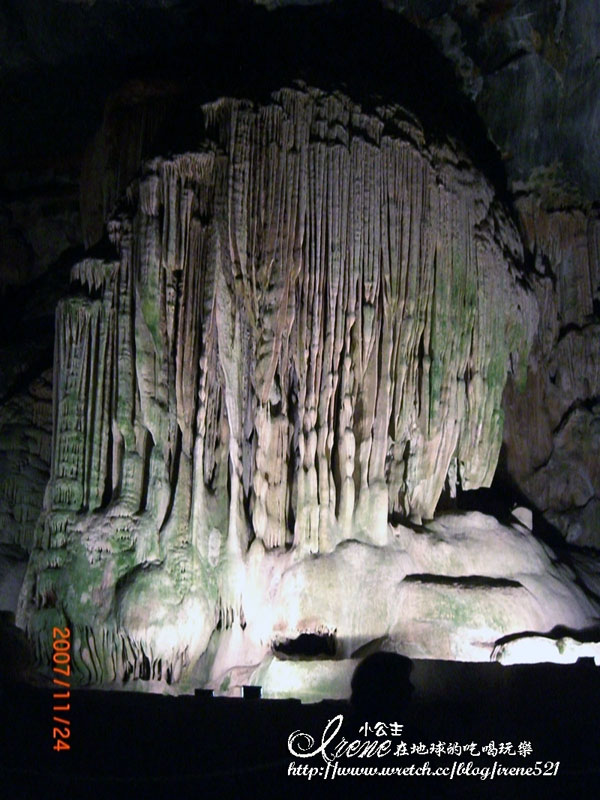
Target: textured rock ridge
[553,459]
[25,454]
[307,329]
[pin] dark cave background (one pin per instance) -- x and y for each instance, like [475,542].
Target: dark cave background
[520,106]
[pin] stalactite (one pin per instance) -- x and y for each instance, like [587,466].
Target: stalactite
[309,326]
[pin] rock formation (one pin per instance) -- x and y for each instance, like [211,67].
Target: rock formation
[25,448]
[303,337]
[528,68]
[554,459]
[463,588]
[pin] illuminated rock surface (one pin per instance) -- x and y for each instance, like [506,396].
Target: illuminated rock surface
[533,649]
[448,590]
[529,69]
[304,334]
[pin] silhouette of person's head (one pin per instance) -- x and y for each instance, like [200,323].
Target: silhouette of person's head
[381,685]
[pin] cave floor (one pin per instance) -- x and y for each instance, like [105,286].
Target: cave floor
[148,745]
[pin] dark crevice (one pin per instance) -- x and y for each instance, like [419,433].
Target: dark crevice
[294,457]
[589,634]
[307,645]
[580,581]
[464,581]
[145,670]
[511,59]
[421,370]
[173,476]
[148,448]
[587,405]
[570,328]
[107,491]
[336,467]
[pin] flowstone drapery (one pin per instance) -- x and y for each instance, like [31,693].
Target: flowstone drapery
[304,335]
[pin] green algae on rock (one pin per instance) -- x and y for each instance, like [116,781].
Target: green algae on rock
[306,328]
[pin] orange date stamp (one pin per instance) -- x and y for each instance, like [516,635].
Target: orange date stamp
[61,665]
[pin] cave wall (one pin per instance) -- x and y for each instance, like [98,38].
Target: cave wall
[125,482]
[305,331]
[527,68]
[554,460]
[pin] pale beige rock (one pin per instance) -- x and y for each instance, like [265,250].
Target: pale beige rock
[535,649]
[455,589]
[524,516]
[306,328]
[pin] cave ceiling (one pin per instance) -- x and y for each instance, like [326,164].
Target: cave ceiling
[530,67]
